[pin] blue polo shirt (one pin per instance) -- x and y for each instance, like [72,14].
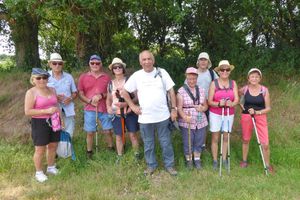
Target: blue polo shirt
[65,85]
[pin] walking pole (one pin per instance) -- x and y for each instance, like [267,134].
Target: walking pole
[189,142]
[118,95]
[229,132]
[259,144]
[221,150]
[96,112]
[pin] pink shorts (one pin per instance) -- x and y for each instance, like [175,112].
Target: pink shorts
[261,125]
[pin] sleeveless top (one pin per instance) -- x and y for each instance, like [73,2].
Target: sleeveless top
[255,102]
[223,93]
[42,102]
[199,119]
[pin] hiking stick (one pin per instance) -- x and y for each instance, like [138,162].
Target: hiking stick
[118,95]
[189,142]
[259,144]
[229,132]
[221,149]
[96,112]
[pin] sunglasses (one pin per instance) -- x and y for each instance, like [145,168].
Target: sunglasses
[95,63]
[57,63]
[41,77]
[227,70]
[117,67]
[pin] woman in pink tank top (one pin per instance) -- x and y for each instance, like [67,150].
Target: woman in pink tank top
[223,95]
[40,104]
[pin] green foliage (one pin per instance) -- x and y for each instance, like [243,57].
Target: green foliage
[6,62]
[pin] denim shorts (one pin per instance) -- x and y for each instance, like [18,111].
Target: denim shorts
[131,123]
[90,121]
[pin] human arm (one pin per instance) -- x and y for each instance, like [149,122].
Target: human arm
[173,104]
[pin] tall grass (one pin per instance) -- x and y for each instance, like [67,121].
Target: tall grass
[102,178]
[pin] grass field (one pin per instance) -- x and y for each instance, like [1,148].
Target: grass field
[102,178]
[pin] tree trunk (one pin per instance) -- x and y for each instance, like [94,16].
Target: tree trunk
[25,38]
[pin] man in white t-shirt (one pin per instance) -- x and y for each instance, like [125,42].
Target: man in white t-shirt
[152,85]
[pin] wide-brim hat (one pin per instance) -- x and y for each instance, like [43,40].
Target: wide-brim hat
[39,72]
[224,63]
[191,70]
[255,70]
[116,61]
[206,56]
[55,57]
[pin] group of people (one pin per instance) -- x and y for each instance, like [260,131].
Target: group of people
[146,101]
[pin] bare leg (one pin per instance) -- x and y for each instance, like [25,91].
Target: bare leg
[214,145]
[134,141]
[119,144]
[51,152]
[266,153]
[245,150]
[108,138]
[225,146]
[38,157]
[89,140]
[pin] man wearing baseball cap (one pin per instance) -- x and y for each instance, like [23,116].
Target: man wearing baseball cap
[92,87]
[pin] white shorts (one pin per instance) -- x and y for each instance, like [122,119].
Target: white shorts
[215,123]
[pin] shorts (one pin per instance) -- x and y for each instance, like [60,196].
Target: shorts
[41,133]
[90,121]
[131,123]
[215,123]
[261,125]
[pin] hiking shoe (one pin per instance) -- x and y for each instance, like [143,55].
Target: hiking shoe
[172,171]
[203,147]
[149,171]
[40,177]
[52,170]
[243,164]
[119,159]
[271,169]
[225,163]
[137,156]
[89,155]
[215,165]
[189,164]
[198,165]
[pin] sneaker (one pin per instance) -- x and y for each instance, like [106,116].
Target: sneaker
[52,170]
[271,169]
[40,177]
[119,159]
[172,171]
[243,164]
[215,165]
[89,155]
[225,163]
[149,171]
[189,164]
[198,165]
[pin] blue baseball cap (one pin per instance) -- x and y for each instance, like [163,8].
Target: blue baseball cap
[39,71]
[95,57]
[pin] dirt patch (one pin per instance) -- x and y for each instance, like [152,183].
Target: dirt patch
[12,193]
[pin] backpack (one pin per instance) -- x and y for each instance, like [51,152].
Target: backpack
[263,90]
[218,86]
[168,97]
[195,100]
[212,74]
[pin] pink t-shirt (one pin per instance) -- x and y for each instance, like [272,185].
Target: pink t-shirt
[91,86]
[223,94]
[42,102]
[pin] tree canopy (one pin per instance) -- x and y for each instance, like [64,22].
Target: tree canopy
[246,32]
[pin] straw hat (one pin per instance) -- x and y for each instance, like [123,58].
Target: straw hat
[116,61]
[224,63]
[55,57]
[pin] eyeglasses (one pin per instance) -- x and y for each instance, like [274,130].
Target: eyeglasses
[117,67]
[41,77]
[57,63]
[227,70]
[95,63]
